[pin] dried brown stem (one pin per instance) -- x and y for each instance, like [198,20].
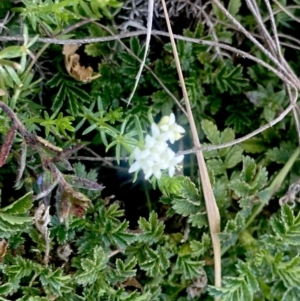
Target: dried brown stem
[210,202]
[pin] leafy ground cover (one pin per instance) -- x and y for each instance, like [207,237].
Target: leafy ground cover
[96,204]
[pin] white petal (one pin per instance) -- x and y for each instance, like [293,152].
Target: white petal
[155,157]
[172,119]
[144,154]
[164,127]
[170,153]
[150,141]
[160,147]
[136,152]
[157,172]
[155,130]
[164,120]
[177,136]
[172,137]
[163,136]
[148,174]
[178,159]
[171,171]
[179,129]
[134,167]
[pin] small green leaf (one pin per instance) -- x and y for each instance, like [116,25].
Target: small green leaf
[152,231]
[234,7]
[21,206]
[15,220]
[11,52]
[211,131]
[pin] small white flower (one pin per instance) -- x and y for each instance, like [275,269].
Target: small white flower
[173,164]
[170,128]
[155,170]
[158,134]
[141,159]
[156,155]
[155,148]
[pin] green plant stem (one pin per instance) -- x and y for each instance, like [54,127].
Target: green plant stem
[148,199]
[40,52]
[33,279]
[274,185]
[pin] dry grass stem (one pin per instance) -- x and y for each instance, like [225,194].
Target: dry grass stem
[210,202]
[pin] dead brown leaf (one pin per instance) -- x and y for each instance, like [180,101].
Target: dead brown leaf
[3,248]
[72,63]
[132,282]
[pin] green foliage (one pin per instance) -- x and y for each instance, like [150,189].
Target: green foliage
[223,159]
[230,79]
[63,240]
[285,227]
[55,124]
[152,231]
[251,180]
[184,198]
[237,288]
[68,90]
[13,218]
[47,13]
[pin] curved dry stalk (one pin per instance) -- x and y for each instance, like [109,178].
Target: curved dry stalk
[284,9]
[148,38]
[210,202]
[149,69]
[293,98]
[282,68]
[274,46]
[274,29]
[242,139]
[161,33]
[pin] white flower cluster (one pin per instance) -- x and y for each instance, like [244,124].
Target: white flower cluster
[156,155]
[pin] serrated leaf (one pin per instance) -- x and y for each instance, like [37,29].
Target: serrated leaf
[201,247]
[249,169]
[211,131]
[287,271]
[241,188]
[217,166]
[189,268]
[198,220]
[233,157]
[21,206]
[230,78]
[15,220]
[156,262]
[152,231]
[245,270]
[234,6]
[233,289]
[286,227]
[254,145]
[185,207]
[261,179]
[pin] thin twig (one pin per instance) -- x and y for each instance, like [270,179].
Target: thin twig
[161,33]
[147,44]
[239,140]
[284,9]
[210,202]
[282,68]
[149,69]
[293,98]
